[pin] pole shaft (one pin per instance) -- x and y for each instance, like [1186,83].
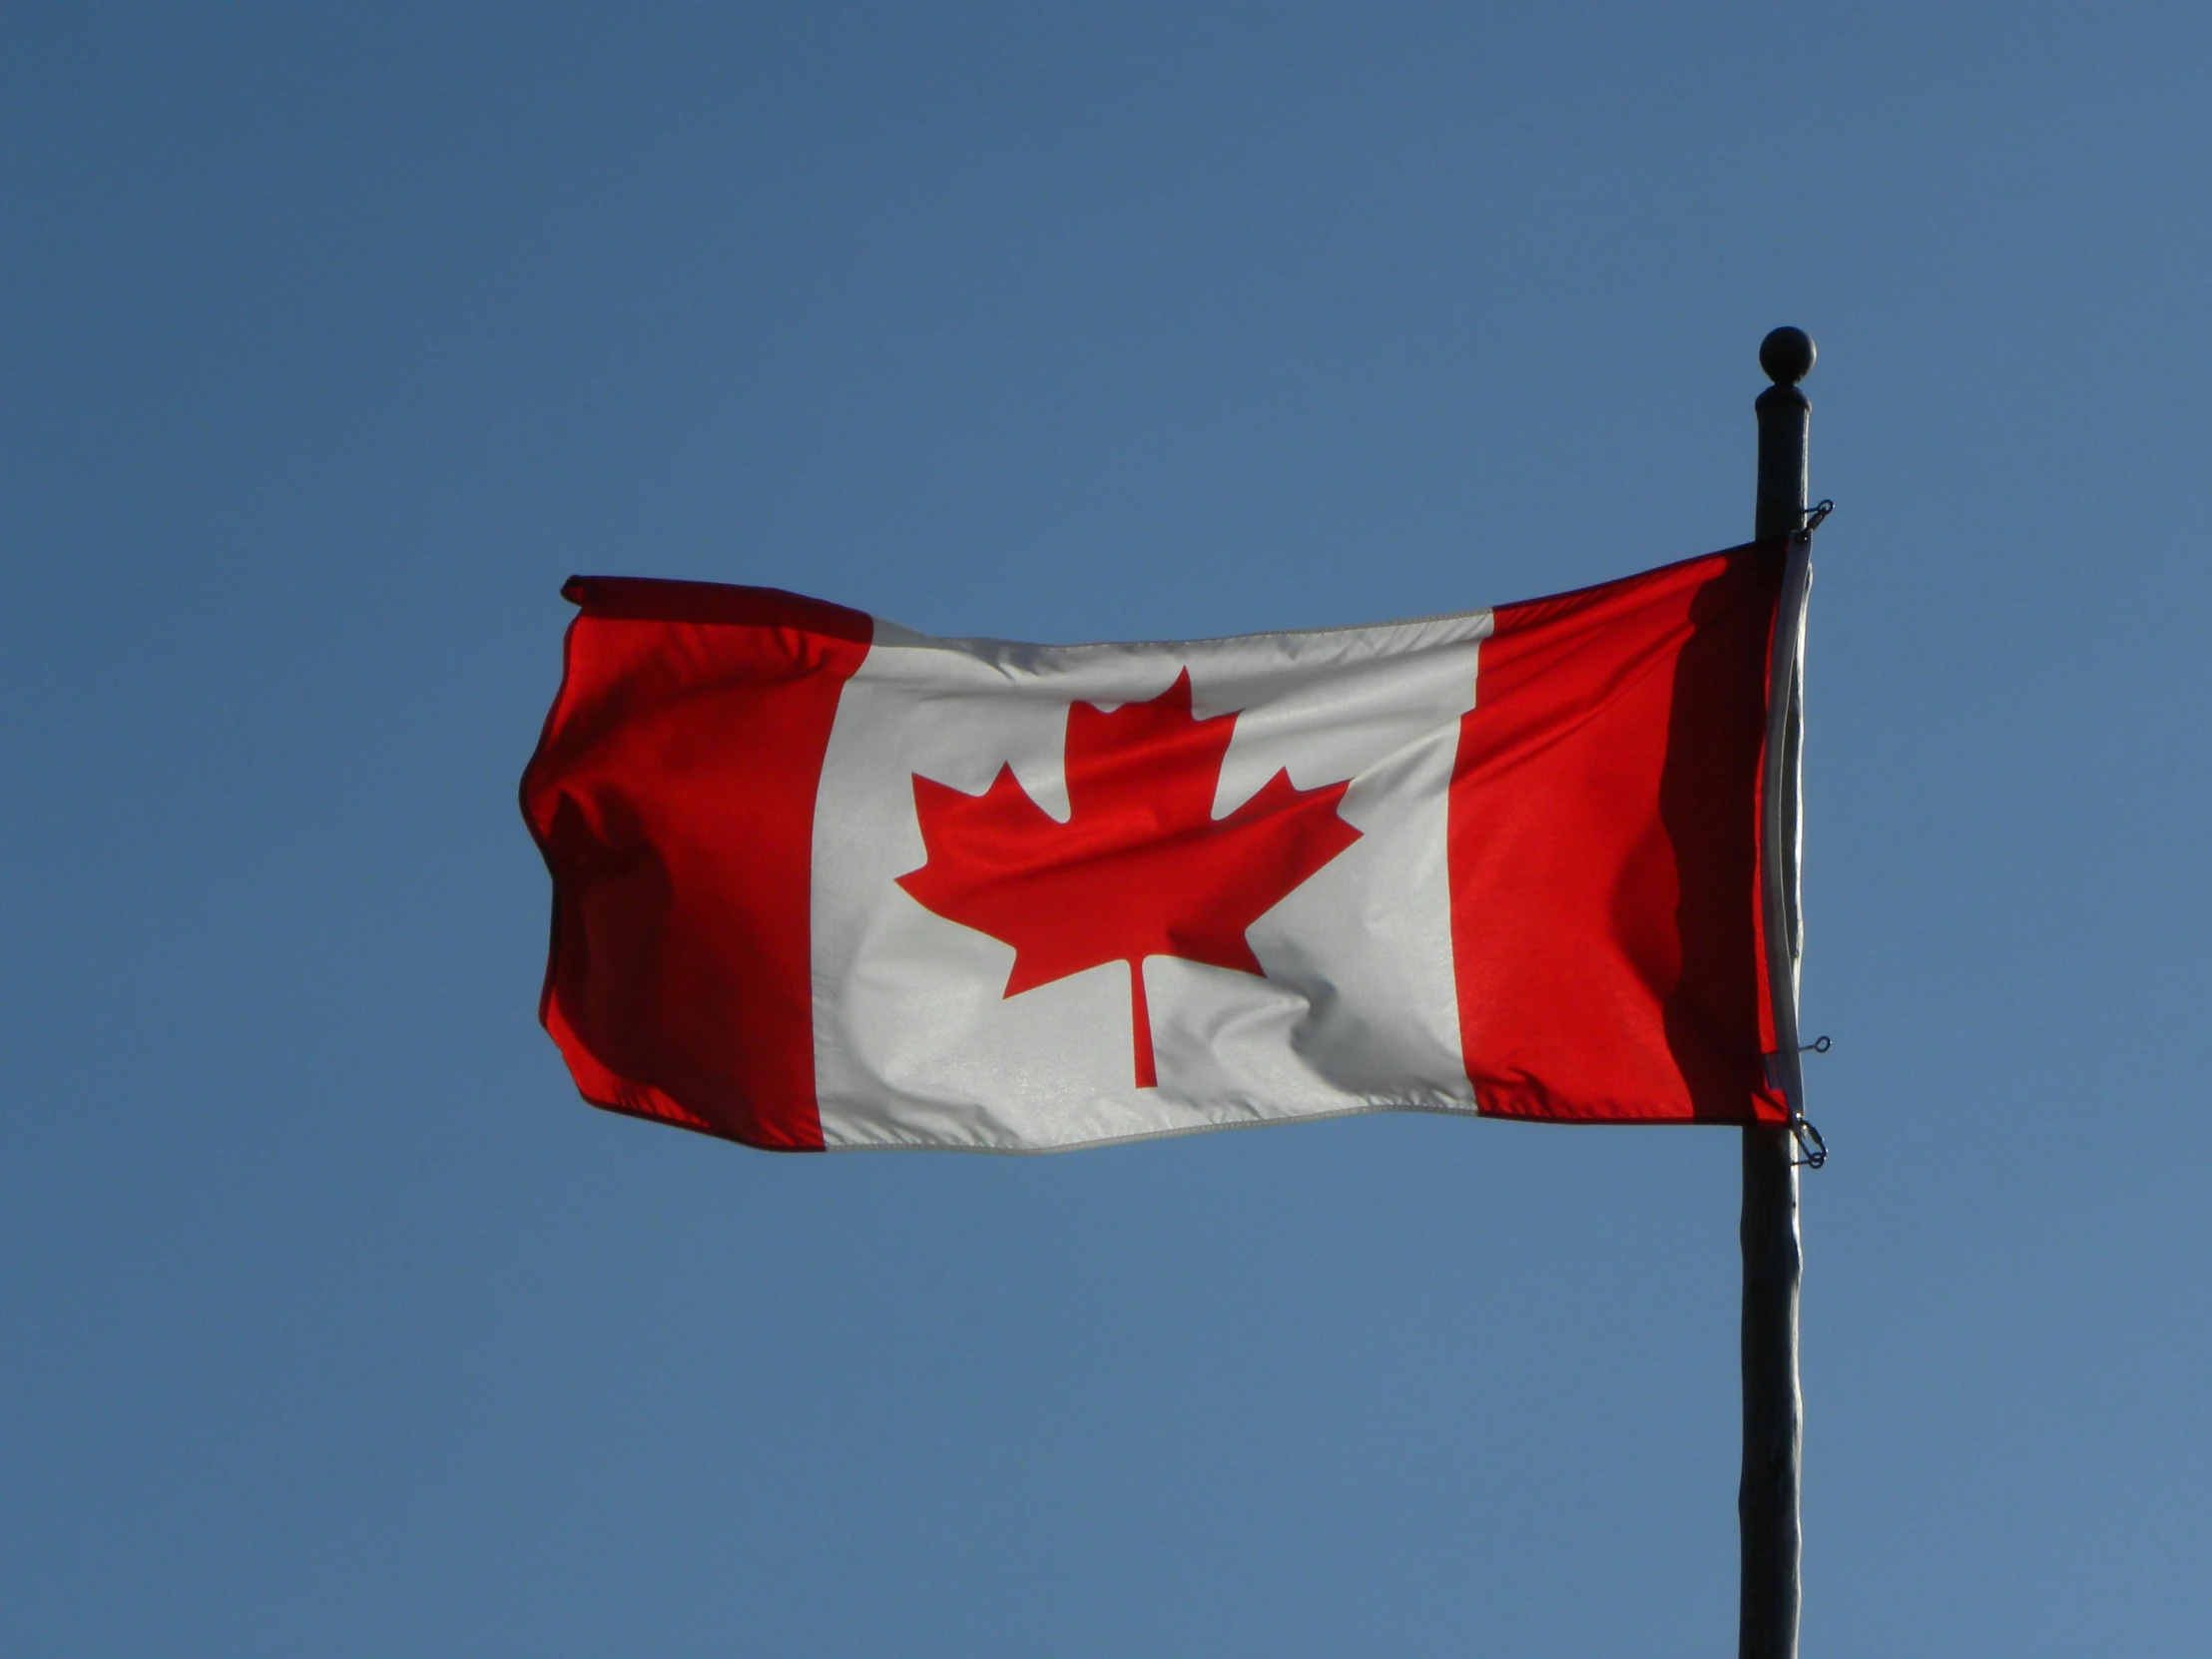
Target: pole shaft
[1767,1498]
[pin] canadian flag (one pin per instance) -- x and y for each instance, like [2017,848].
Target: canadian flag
[820,881]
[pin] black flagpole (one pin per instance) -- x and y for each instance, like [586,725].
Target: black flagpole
[1774,1410]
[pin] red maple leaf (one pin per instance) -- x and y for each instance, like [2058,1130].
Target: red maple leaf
[1142,867]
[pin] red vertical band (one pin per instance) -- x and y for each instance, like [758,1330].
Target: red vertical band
[673,796]
[1604,849]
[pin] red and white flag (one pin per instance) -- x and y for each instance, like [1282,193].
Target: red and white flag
[820,881]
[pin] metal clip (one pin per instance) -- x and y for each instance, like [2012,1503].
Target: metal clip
[1818,1045]
[1812,519]
[1809,1143]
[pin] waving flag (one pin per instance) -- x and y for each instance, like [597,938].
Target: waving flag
[820,881]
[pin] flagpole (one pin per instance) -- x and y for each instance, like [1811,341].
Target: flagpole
[1767,1498]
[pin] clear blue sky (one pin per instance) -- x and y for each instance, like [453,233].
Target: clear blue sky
[332,1322]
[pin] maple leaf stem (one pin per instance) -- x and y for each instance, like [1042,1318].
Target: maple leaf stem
[1140,1025]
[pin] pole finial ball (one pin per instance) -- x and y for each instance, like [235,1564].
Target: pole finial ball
[1787,356]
